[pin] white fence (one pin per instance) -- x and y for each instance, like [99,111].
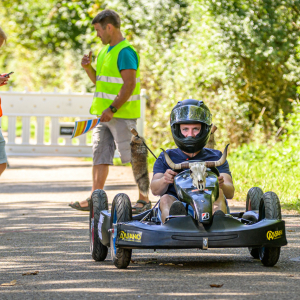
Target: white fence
[54,106]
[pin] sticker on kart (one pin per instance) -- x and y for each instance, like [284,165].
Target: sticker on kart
[274,235]
[131,236]
[205,216]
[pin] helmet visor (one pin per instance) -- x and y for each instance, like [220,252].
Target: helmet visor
[190,114]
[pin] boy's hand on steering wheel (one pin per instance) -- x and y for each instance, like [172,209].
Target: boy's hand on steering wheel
[169,176]
[221,180]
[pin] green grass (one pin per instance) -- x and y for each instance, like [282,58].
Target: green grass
[273,168]
[284,182]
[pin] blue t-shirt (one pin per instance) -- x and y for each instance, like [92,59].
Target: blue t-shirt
[177,156]
[127,59]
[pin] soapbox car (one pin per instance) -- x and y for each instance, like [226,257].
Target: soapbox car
[259,228]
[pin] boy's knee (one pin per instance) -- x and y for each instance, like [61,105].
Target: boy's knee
[166,200]
[163,200]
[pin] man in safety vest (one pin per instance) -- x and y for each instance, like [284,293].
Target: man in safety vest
[116,100]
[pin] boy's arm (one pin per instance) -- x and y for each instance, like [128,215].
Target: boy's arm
[226,184]
[160,182]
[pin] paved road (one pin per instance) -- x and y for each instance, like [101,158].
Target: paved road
[39,232]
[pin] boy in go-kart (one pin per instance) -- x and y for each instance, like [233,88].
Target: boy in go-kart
[191,123]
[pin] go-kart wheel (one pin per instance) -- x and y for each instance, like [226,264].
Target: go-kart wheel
[120,212]
[98,203]
[271,210]
[254,196]
[253,200]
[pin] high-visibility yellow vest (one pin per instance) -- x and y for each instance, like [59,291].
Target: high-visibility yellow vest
[109,83]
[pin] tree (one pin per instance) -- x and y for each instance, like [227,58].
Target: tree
[261,38]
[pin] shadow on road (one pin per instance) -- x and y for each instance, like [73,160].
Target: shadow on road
[57,187]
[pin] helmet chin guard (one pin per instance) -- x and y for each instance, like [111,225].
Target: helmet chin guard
[191,111]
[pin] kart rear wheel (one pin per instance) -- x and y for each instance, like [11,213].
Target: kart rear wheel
[253,200]
[254,196]
[271,210]
[98,203]
[121,211]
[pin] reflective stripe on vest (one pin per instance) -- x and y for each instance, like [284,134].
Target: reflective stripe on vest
[112,79]
[109,83]
[112,97]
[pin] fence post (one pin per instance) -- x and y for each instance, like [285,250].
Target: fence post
[54,130]
[40,128]
[25,130]
[11,130]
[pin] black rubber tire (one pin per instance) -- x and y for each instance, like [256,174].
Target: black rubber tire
[271,208]
[99,202]
[254,252]
[122,207]
[253,201]
[254,196]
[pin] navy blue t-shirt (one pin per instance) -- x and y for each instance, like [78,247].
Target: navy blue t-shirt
[127,59]
[177,156]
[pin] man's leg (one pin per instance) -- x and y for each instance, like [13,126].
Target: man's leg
[2,168]
[142,197]
[165,204]
[120,129]
[220,204]
[100,173]
[103,153]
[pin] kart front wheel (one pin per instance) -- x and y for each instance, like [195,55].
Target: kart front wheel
[98,203]
[271,210]
[121,211]
[253,200]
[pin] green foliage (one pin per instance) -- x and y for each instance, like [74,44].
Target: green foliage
[55,26]
[261,39]
[269,176]
[46,42]
[240,57]
[158,21]
[274,166]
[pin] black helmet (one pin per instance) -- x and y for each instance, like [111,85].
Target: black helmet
[190,111]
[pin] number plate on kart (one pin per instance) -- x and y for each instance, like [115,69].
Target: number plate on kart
[130,236]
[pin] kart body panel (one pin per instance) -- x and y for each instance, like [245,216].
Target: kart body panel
[181,232]
[201,201]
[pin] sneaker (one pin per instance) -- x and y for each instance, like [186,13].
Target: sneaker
[177,209]
[219,213]
[251,216]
